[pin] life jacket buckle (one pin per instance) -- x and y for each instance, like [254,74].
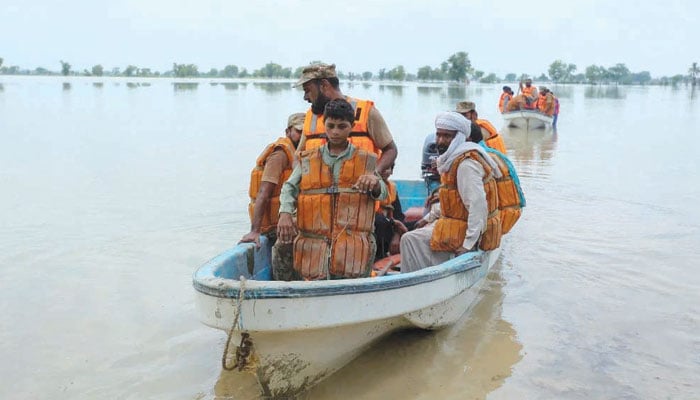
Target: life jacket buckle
[332,189]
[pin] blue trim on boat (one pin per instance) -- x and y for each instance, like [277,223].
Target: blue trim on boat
[296,289]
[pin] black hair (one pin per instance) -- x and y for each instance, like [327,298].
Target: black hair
[475,135]
[339,109]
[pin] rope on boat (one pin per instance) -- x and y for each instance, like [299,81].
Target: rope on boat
[236,324]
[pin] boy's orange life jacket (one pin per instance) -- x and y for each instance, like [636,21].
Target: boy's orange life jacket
[270,216]
[335,221]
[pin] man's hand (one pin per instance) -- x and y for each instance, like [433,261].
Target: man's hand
[367,183]
[286,229]
[395,245]
[251,237]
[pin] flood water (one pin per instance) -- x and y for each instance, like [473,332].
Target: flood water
[113,192]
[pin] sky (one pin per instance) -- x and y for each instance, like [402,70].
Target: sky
[500,36]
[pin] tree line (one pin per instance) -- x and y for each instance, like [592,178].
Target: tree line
[456,68]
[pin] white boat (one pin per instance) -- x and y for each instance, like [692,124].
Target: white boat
[292,335]
[527,119]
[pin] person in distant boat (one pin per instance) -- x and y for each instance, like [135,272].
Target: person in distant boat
[506,96]
[484,128]
[529,93]
[545,102]
[370,132]
[469,216]
[272,168]
[333,190]
[555,115]
[389,221]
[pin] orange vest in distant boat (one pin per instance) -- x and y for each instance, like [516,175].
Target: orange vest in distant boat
[491,136]
[270,216]
[315,130]
[545,104]
[335,221]
[531,94]
[502,101]
[451,228]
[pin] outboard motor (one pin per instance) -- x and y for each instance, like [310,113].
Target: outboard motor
[428,170]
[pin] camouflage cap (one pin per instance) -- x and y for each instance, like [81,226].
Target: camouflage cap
[316,71]
[465,106]
[296,121]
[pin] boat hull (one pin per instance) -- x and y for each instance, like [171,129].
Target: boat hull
[301,332]
[527,120]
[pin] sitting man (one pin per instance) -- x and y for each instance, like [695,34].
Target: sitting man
[529,94]
[469,215]
[545,104]
[333,189]
[272,168]
[506,96]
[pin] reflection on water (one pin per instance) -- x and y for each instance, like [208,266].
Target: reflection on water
[429,90]
[2,87]
[457,91]
[98,85]
[273,87]
[366,85]
[396,90]
[213,83]
[185,86]
[562,92]
[231,86]
[604,92]
[531,150]
[66,86]
[132,85]
[467,360]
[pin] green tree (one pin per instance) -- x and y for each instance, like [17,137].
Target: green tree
[511,77]
[367,76]
[477,75]
[213,72]
[382,74]
[145,72]
[65,68]
[595,74]
[641,78]
[1,61]
[557,71]
[131,70]
[424,73]
[41,71]
[243,73]
[693,73]
[490,78]
[397,73]
[619,73]
[185,70]
[459,66]
[230,71]
[97,70]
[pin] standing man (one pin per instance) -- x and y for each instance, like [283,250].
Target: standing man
[370,132]
[469,216]
[530,93]
[333,189]
[272,168]
[488,131]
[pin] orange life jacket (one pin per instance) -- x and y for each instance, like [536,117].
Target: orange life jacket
[546,104]
[509,203]
[270,216]
[386,205]
[315,131]
[335,221]
[491,136]
[451,228]
[502,101]
[529,92]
